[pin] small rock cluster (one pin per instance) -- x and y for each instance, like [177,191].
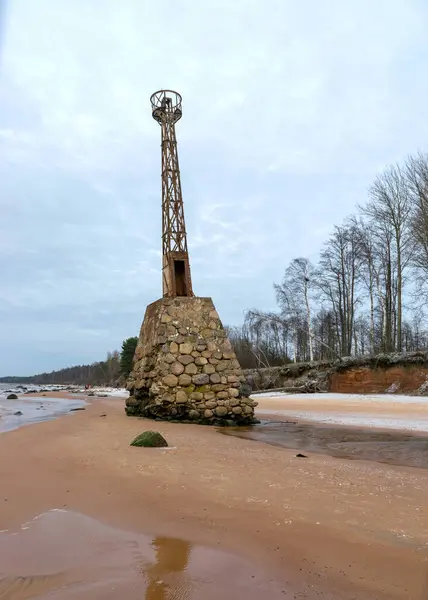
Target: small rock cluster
[185,367]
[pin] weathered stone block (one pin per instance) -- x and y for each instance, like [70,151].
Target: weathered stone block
[177,368]
[191,369]
[185,359]
[222,366]
[186,348]
[181,397]
[170,380]
[201,379]
[217,387]
[185,380]
[200,361]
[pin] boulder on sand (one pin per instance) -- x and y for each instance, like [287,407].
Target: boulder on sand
[12,397]
[150,439]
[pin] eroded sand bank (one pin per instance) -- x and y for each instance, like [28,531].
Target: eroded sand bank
[320,527]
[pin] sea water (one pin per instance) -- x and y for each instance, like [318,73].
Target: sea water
[32,409]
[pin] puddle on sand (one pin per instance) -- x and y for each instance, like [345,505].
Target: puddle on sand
[65,555]
[395,448]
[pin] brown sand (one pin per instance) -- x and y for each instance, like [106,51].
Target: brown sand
[320,527]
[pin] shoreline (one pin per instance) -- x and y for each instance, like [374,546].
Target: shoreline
[30,410]
[323,522]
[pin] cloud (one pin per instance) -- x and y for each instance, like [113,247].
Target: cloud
[289,109]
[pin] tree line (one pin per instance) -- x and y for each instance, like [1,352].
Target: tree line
[366,294]
[114,370]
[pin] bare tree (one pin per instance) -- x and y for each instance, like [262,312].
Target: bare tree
[338,274]
[389,214]
[294,293]
[261,317]
[368,269]
[417,178]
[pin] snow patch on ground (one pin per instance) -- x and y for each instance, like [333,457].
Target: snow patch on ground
[372,398]
[20,390]
[116,392]
[355,420]
[370,411]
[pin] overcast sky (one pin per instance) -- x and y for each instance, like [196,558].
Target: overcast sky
[289,110]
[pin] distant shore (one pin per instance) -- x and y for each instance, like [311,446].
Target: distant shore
[322,527]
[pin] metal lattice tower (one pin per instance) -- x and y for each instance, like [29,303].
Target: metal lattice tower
[176,279]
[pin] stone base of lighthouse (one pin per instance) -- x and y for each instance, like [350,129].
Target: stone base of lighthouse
[185,367]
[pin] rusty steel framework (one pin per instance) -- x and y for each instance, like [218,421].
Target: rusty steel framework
[176,279]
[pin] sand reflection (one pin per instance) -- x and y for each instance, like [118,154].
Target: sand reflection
[61,555]
[172,557]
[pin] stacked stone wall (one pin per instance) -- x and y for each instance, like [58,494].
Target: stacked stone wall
[185,367]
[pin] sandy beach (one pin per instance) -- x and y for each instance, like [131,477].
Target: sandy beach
[213,516]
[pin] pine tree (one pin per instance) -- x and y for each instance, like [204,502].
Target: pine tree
[127,355]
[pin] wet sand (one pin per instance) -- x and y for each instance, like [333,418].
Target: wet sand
[389,447]
[84,558]
[320,527]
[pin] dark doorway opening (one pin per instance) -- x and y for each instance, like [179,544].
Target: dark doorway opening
[180,278]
